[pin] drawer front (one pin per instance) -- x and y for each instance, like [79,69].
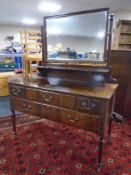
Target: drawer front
[69,117]
[49,112]
[90,105]
[50,98]
[25,106]
[79,120]
[16,91]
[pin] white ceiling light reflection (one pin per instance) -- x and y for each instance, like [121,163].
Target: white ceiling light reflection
[49,7]
[101,35]
[29,21]
[54,31]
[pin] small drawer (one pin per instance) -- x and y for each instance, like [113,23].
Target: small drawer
[79,120]
[90,105]
[25,106]
[16,91]
[52,98]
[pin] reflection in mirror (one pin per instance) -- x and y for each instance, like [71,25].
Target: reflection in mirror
[76,38]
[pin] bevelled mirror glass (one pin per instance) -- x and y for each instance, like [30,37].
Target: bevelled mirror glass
[77,37]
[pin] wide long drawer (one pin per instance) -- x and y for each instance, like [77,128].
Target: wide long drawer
[79,120]
[50,98]
[65,116]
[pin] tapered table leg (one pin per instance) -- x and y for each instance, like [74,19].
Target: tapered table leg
[14,121]
[109,129]
[100,153]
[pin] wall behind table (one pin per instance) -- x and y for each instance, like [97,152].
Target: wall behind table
[121,70]
[9,30]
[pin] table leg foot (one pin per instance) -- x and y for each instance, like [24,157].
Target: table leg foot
[99,167]
[100,153]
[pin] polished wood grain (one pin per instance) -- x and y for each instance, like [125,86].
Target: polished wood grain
[121,70]
[80,98]
[89,105]
[104,91]
[50,97]
[79,120]
[25,106]
[77,103]
[62,115]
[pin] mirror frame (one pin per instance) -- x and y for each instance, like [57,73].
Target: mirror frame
[106,39]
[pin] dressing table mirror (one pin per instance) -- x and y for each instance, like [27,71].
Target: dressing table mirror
[74,86]
[77,37]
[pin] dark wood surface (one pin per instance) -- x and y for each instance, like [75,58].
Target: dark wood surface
[71,104]
[121,70]
[103,91]
[60,99]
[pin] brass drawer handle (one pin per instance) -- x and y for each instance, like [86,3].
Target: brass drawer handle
[27,107]
[47,99]
[16,91]
[72,119]
[86,107]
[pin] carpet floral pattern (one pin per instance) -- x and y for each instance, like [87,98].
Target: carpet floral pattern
[49,148]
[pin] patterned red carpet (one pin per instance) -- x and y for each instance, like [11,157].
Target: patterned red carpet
[48,148]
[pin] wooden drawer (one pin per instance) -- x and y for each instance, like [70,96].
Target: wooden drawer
[45,111]
[49,112]
[79,120]
[69,117]
[50,98]
[16,90]
[90,105]
[25,106]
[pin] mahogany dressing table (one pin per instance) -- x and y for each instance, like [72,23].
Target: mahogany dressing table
[71,90]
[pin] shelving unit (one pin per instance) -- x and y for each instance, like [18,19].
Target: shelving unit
[122,39]
[31,43]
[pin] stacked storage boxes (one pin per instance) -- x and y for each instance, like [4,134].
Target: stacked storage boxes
[7,66]
[18,61]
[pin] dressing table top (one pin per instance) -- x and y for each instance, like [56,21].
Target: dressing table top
[104,91]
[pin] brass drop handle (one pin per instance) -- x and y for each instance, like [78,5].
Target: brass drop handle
[16,91]
[76,119]
[27,107]
[47,99]
[86,107]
